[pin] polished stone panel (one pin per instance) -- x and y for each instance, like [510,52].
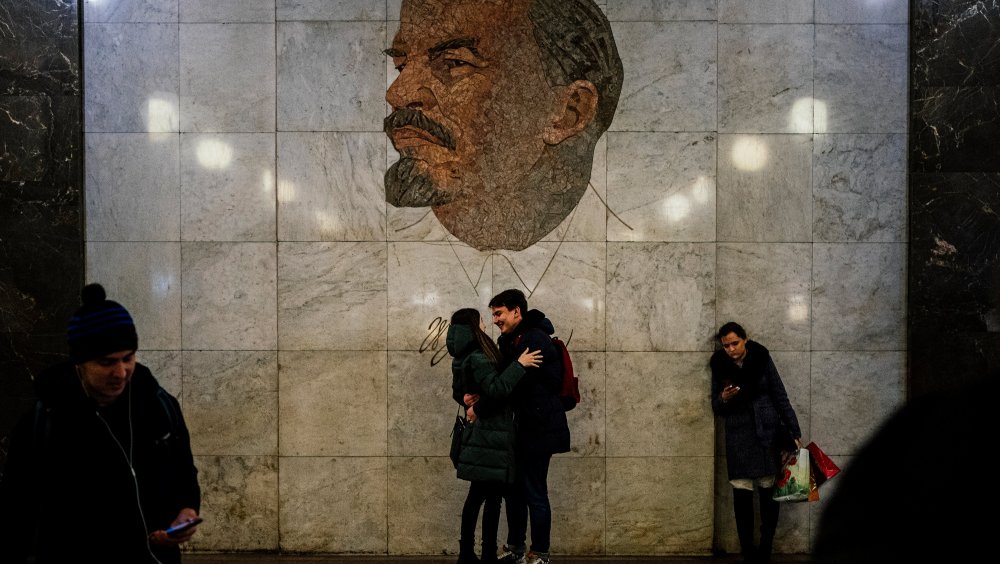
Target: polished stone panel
[332,403]
[333,504]
[660,10]
[859,299]
[227,11]
[657,404]
[341,10]
[764,188]
[859,188]
[860,79]
[231,402]
[133,187]
[229,296]
[131,11]
[146,279]
[566,282]
[330,76]
[862,12]
[766,288]
[587,421]
[227,187]
[239,502]
[419,487]
[661,186]
[420,409]
[659,505]
[41,156]
[955,129]
[670,76]
[766,78]
[577,490]
[330,187]
[677,313]
[167,367]
[332,296]
[852,394]
[765,11]
[227,74]
[132,76]
[590,219]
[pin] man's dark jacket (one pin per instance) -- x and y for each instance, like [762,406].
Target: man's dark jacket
[540,416]
[68,491]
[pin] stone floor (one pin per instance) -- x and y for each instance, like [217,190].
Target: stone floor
[250,558]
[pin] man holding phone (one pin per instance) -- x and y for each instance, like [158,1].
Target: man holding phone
[100,470]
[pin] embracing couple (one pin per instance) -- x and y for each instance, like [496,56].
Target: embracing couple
[510,392]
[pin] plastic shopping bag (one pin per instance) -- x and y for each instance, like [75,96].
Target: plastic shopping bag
[793,481]
[823,467]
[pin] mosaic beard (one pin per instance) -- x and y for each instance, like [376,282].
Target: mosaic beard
[408,187]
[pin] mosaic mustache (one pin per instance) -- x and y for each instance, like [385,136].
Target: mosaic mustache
[403,117]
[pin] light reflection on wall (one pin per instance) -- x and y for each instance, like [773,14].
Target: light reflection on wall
[800,118]
[327,223]
[161,116]
[820,115]
[267,181]
[676,207]
[798,309]
[161,283]
[749,153]
[214,154]
[286,191]
[700,190]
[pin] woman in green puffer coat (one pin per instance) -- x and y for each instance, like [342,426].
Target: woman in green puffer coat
[487,455]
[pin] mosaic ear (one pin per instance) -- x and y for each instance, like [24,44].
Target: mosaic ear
[579,106]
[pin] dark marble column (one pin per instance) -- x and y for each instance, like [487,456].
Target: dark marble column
[41,192]
[954,280]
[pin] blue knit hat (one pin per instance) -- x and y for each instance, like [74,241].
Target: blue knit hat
[99,327]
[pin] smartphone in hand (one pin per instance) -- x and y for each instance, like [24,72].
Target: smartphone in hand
[181,527]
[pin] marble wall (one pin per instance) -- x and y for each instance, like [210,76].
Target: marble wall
[755,171]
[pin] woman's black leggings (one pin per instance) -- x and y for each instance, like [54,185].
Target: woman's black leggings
[489,493]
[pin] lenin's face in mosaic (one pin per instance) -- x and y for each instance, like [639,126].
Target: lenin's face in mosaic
[500,151]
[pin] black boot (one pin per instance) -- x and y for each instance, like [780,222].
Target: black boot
[489,554]
[743,508]
[769,510]
[466,552]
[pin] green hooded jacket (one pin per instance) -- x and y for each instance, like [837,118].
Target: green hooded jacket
[488,444]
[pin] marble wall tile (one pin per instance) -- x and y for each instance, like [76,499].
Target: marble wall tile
[659,505]
[577,494]
[133,187]
[330,187]
[863,12]
[227,187]
[765,287]
[660,10]
[421,410]
[132,77]
[766,78]
[239,499]
[41,54]
[30,124]
[587,421]
[130,11]
[332,403]
[429,281]
[860,79]
[859,297]
[661,186]
[954,129]
[331,76]
[229,294]
[657,404]
[859,188]
[227,11]
[227,77]
[853,392]
[333,504]
[764,191]
[332,296]
[564,281]
[589,221]
[231,402]
[167,367]
[146,279]
[677,312]
[670,76]
[766,11]
[338,10]
[392,9]
[424,510]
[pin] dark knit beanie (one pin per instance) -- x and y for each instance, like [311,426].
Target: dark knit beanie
[99,327]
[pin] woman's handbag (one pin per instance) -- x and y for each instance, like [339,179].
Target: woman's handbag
[823,467]
[793,481]
[457,431]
